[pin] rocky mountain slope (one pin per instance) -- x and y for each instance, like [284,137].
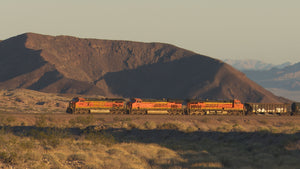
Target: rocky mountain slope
[64,64]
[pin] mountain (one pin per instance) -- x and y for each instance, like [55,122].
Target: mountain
[250,64]
[64,64]
[286,78]
[284,82]
[292,95]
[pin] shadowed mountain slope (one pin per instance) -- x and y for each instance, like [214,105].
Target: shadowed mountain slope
[64,64]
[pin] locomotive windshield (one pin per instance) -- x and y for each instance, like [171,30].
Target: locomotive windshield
[75,99]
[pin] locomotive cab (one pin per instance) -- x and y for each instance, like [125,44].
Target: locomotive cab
[71,106]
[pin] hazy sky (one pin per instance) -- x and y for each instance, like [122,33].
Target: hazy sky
[267,30]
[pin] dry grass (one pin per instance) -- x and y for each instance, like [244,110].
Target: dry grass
[59,140]
[107,142]
[72,153]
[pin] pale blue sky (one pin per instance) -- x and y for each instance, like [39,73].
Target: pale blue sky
[268,30]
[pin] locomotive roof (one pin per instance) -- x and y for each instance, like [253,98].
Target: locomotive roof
[104,99]
[207,100]
[163,100]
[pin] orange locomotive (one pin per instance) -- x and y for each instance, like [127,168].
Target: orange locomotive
[234,107]
[151,106]
[90,105]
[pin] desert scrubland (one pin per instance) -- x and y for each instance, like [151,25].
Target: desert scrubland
[35,132]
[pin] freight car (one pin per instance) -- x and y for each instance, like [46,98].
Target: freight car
[198,107]
[153,106]
[94,105]
[268,108]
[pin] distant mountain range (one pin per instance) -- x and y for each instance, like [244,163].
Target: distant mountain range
[65,64]
[286,78]
[282,79]
[249,64]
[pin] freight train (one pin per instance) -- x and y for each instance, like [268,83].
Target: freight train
[80,105]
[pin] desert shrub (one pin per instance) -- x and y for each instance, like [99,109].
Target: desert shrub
[126,119]
[100,119]
[263,130]
[90,166]
[82,121]
[262,121]
[293,145]
[32,156]
[116,119]
[41,121]
[10,119]
[27,144]
[52,141]
[207,165]
[37,134]
[168,126]
[237,128]
[191,129]
[51,161]
[150,125]
[99,137]
[8,157]
[226,161]
[6,121]
[60,156]
[132,126]
[274,130]
[50,137]
[220,119]
[77,157]
[288,124]
[204,120]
